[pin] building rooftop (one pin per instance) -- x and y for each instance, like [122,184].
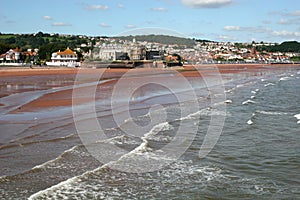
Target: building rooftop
[66,52]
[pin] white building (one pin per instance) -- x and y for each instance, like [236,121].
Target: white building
[11,57]
[66,58]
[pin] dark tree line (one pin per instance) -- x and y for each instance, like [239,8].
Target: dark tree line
[290,46]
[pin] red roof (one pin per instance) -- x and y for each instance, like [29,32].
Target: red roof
[66,52]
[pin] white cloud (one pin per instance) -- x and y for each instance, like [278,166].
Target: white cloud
[232,28]
[285,13]
[207,3]
[121,6]
[96,7]
[294,13]
[60,24]
[282,21]
[226,38]
[257,29]
[294,21]
[129,26]
[103,25]
[46,17]
[160,9]
[287,34]
[266,22]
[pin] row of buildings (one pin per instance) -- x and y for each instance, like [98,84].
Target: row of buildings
[17,57]
[110,49]
[203,52]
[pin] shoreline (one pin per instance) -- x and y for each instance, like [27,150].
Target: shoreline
[64,97]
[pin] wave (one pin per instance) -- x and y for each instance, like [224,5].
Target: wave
[214,112]
[143,155]
[270,112]
[228,101]
[248,102]
[250,122]
[297,116]
[284,78]
[121,140]
[61,156]
[269,84]
[106,184]
[141,149]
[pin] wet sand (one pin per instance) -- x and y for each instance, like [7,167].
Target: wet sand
[67,76]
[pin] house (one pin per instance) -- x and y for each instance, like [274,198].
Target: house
[66,58]
[12,57]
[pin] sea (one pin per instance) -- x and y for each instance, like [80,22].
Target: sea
[242,143]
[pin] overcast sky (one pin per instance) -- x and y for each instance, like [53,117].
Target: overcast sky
[218,20]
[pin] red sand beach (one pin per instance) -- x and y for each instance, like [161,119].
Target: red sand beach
[64,97]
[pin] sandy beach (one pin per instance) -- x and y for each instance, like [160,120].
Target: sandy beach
[67,76]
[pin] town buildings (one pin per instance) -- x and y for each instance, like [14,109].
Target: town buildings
[107,49]
[17,57]
[67,58]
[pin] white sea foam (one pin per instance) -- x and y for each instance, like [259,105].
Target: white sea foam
[229,91]
[214,112]
[297,117]
[250,122]
[48,163]
[269,84]
[284,78]
[192,116]
[248,102]
[228,101]
[253,92]
[252,97]
[140,153]
[44,193]
[120,139]
[270,112]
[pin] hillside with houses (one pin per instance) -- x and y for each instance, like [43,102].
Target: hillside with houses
[72,51]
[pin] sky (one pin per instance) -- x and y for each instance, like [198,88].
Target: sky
[217,20]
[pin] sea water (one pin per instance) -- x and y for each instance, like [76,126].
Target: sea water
[257,155]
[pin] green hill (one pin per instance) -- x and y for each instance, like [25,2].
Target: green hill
[289,46]
[163,39]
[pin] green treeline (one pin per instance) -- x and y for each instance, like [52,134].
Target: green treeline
[45,42]
[290,46]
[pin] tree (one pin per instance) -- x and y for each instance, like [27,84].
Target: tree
[46,50]
[4,48]
[40,34]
